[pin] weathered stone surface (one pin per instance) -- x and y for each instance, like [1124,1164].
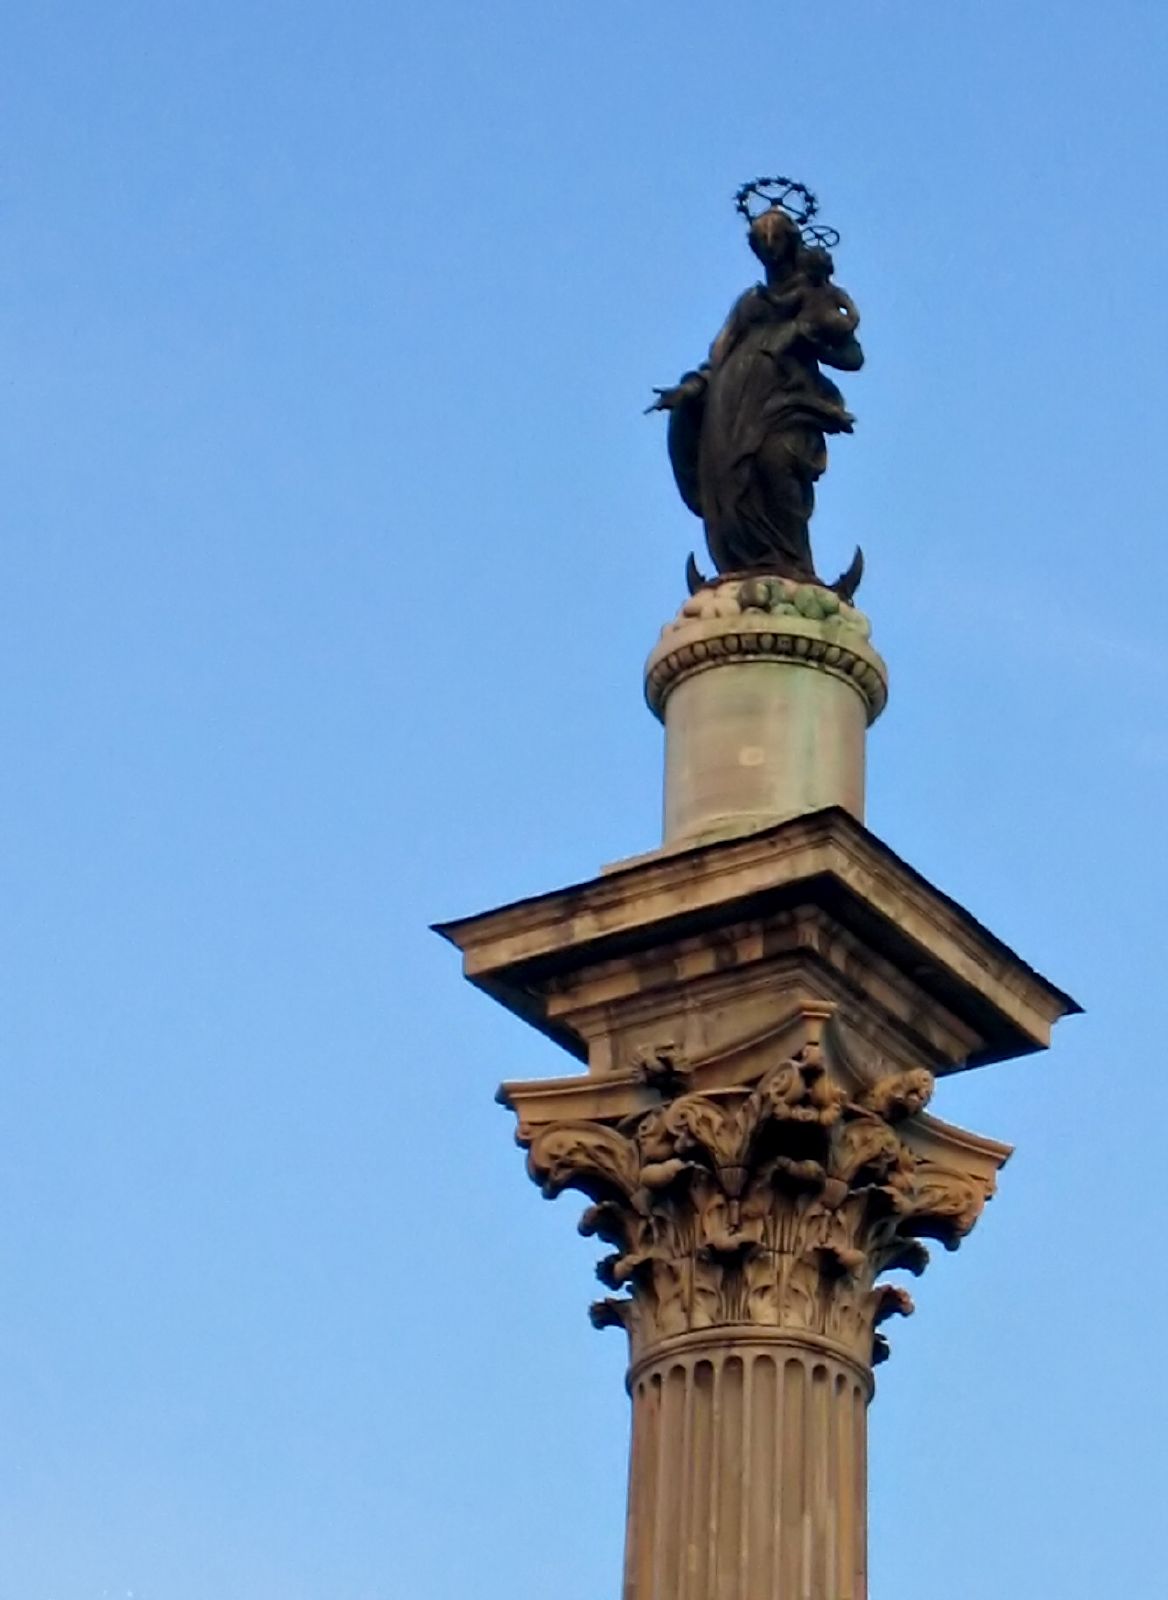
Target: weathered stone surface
[748,1472]
[764,616]
[766,687]
[762,1020]
[777,1203]
[716,944]
[752,1222]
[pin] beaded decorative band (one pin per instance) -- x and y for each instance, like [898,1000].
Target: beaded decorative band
[767,618]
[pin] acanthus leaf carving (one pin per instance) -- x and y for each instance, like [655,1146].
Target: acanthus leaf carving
[900,1095]
[945,1204]
[778,1205]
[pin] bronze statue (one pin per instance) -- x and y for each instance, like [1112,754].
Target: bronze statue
[747,428]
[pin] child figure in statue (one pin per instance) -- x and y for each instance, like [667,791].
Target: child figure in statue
[826,315]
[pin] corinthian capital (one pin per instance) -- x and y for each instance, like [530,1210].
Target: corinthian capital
[775,1205]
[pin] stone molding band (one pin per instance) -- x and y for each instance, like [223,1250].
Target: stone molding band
[801,645]
[731,1339]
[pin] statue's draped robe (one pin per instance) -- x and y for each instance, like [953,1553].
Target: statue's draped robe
[747,440]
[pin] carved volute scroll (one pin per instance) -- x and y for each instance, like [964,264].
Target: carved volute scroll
[777,1205]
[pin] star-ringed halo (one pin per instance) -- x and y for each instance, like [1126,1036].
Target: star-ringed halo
[785,194]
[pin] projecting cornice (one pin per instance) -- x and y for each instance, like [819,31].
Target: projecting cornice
[819,888]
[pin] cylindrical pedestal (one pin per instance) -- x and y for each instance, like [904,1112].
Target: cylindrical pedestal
[758,742]
[766,689]
[748,1475]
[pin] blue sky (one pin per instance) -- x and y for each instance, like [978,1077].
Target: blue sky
[334,541]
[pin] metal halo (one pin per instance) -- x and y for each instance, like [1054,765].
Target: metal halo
[794,198]
[818,235]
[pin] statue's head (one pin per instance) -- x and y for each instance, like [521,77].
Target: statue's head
[775,239]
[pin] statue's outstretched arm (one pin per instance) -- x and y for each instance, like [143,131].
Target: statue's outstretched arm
[692,386]
[686,405]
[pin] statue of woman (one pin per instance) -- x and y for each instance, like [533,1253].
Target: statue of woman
[747,429]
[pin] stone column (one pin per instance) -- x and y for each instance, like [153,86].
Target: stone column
[748,1473]
[766,688]
[757,1011]
[750,1225]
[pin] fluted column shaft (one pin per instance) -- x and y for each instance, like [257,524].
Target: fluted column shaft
[748,1471]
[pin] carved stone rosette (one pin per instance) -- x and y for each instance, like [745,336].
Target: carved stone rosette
[775,1206]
